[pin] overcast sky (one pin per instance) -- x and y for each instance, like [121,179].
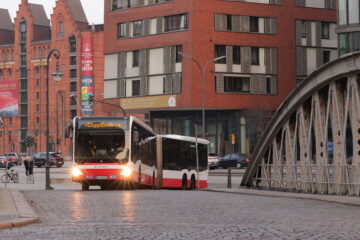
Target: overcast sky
[94,9]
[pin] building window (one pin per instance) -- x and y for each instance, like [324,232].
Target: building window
[236,55]
[303,29]
[73,87]
[22,30]
[138,28]
[37,70]
[1,73]
[73,60]
[236,84]
[38,82]
[178,58]
[176,22]
[136,88]
[72,41]
[73,73]
[220,50]
[353,11]
[37,96]
[254,24]
[61,27]
[325,30]
[228,22]
[10,72]
[121,30]
[326,56]
[255,56]
[38,107]
[135,58]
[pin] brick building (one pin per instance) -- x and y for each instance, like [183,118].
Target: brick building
[269,45]
[24,47]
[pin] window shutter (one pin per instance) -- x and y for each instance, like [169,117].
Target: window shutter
[167,59]
[308,33]
[143,86]
[273,85]
[217,22]
[229,58]
[177,83]
[159,26]
[274,60]
[298,32]
[236,23]
[168,83]
[142,62]
[246,59]
[301,61]
[244,24]
[121,64]
[146,27]
[258,84]
[319,57]
[223,22]
[318,34]
[219,83]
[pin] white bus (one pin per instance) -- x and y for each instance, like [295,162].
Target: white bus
[120,151]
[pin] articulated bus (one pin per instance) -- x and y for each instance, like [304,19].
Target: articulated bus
[114,152]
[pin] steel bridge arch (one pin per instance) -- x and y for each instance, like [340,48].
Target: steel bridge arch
[312,143]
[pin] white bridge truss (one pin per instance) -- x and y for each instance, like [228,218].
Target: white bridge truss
[312,143]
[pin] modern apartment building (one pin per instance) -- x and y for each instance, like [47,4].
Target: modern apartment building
[348,28]
[268,46]
[24,48]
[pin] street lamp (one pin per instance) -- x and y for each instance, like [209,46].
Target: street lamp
[203,71]
[57,75]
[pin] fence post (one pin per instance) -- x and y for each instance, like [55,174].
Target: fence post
[229,178]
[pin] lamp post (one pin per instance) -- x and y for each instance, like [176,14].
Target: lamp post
[203,71]
[57,77]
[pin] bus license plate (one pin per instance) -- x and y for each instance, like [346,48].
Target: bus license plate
[101,177]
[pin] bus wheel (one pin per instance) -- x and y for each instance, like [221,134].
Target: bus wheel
[85,186]
[192,182]
[184,182]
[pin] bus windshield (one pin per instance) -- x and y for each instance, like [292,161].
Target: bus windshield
[101,146]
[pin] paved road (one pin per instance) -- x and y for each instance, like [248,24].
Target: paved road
[148,214]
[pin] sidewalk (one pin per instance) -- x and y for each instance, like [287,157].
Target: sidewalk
[347,200]
[15,211]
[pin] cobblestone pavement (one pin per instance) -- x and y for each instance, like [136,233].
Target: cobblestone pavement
[149,214]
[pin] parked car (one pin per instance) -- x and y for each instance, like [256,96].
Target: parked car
[14,158]
[213,161]
[234,160]
[55,159]
[3,160]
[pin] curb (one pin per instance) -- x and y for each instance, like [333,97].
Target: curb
[346,200]
[26,214]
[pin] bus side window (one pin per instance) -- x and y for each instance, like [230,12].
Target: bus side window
[135,137]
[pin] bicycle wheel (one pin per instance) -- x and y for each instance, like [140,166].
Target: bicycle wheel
[5,178]
[15,178]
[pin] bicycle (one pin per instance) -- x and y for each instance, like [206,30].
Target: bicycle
[11,175]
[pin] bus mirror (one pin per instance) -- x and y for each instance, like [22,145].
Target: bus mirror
[135,136]
[68,131]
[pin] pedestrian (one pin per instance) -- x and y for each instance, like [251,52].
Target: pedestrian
[31,170]
[26,165]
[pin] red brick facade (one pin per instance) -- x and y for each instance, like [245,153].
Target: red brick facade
[199,41]
[65,95]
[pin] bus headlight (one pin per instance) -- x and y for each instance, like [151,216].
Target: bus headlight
[76,172]
[126,172]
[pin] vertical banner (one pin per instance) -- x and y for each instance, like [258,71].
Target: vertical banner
[9,98]
[87,75]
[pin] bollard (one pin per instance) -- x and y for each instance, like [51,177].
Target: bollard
[229,178]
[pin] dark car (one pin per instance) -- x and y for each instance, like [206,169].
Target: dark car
[234,160]
[3,160]
[55,159]
[14,158]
